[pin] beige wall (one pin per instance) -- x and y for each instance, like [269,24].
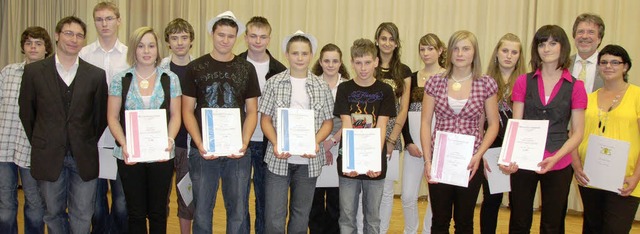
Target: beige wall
[337,21]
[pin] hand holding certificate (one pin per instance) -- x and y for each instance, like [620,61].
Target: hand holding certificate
[452,154]
[605,162]
[361,150]
[221,131]
[524,143]
[146,132]
[296,131]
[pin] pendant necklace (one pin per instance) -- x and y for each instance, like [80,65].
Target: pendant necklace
[457,84]
[144,83]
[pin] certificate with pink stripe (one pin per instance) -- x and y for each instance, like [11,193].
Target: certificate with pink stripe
[452,154]
[146,134]
[524,143]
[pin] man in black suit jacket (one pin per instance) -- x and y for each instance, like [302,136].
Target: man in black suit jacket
[63,110]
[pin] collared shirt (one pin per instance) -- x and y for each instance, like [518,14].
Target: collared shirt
[134,99]
[578,101]
[277,94]
[467,121]
[112,61]
[592,64]
[67,75]
[14,145]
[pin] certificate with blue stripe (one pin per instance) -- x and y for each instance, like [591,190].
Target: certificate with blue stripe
[296,131]
[221,131]
[361,150]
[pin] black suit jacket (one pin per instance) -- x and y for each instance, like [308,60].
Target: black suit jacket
[48,127]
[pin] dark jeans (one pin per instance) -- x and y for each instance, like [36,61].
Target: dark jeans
[256,150]
[324,215]
[607,212]
[146,189]
[489,209]
[554,186]
[449,200]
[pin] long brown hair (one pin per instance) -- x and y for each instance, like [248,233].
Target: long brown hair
[394,65]
[504,89]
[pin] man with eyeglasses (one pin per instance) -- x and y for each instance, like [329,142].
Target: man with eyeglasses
[63,110]
[108,53]
[588,31]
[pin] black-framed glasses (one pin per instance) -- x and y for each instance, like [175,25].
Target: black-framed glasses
[612,62]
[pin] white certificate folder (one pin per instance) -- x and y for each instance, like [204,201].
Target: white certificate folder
[361,150]
[524,143]
[452,154]
[146,132]
[606,162]
[296,131]
[221,131]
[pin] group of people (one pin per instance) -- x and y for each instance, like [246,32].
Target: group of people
[61,112]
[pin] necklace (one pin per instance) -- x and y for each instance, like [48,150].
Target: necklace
[144,83]
[457,84]
[603,115]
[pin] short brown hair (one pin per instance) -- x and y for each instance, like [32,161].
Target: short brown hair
[37,32]
[363,47]
[178,25]
[70,20]
[259,22]
[135,39]
[592,18]
[557,34]
[106,6]
[433,40]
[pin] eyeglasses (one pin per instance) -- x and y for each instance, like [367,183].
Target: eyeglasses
[612,62]
[108,19]
[70,34]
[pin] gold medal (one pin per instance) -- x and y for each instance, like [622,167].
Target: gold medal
[144,84]
[456,86]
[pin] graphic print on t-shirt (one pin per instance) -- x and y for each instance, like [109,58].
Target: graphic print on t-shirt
[220,95]
[363,115]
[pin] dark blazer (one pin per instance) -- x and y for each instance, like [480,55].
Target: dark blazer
[48,127]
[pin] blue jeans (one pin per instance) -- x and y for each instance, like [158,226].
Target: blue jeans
[205,177]
[256,151]
[103,220]
[302,189]
[350,190]
[33,207]
[72,193]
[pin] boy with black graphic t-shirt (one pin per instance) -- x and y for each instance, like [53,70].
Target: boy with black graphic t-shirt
[363,102]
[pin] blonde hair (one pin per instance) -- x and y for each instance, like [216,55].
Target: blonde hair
[504,90]
[135,39]
[106,6]
[476,67]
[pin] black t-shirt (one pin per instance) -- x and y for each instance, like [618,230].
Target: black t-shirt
[216,84]
[364,105]
[181,137]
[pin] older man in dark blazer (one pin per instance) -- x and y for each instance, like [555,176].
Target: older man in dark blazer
[63,110]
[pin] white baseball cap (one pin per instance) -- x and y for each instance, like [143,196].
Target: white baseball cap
[226,15]
[312,39]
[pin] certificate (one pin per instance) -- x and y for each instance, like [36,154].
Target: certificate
[329,176]
[296,131]
[361,150]
[146,132]
[605,162]
[221,131]
[524,143]
[451,156]
[185,188]
[108,167]
[498,181]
